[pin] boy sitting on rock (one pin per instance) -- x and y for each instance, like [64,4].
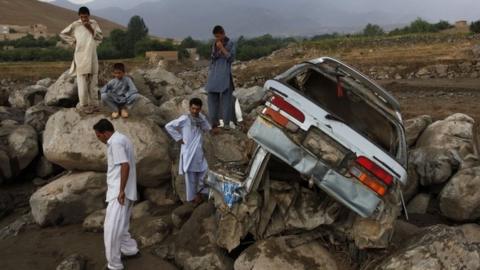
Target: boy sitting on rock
[120,93]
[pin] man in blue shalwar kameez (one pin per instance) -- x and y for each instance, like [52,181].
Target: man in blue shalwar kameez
[188,130]
[219,82]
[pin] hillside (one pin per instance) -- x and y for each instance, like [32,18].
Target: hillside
[27,12]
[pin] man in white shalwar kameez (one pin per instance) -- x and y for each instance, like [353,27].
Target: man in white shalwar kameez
[188,130]
[85,35]
[121,194]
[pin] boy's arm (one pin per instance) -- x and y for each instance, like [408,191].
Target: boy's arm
[231,51]
[173,128]
[107,87]
[132,89]
[67,34]
[97,34]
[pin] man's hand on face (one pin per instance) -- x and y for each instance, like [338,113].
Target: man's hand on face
[121,198]
[88,25]
[219,44]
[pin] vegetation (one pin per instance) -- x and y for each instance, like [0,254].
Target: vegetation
[422,26]
[372,30]
[475,27]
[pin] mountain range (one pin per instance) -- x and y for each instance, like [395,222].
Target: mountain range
[28,12]
[181,18]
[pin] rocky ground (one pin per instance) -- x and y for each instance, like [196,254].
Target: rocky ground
[52,185]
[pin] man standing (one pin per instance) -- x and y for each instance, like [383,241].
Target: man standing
[188,131]
[85,35]
[219,82]
[121,193]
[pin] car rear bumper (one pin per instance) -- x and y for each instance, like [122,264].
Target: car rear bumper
[348,191]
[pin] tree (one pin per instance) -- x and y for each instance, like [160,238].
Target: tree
[372,30]
[442,25]
[475,27]
[136,31]
[189,42]
[421,26]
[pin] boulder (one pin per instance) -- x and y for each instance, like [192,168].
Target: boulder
[6,203]
[45,82]
[176,106]
[410,189]
[73,262]
[45,168]
[12,114]
[145,108]
[94,221]
[415,126]
[151,231]
[161,196]
[17,226]
[63,92]
[142,85]
[434,165]
[5,166]
[22,146]
[459,199]
[419,204]
[69,199]
[453,133]
[249,98]
[142,209]
[37,116]
[227,147]
[69,141]
[195,243]
[165,85]
[283,253]
[437,247]
[181,214]
[27,97]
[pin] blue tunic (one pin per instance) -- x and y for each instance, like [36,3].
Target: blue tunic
[220,70]
[120,90]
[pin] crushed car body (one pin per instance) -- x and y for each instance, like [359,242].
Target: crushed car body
[331,126]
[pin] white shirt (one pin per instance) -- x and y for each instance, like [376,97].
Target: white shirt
[120,150]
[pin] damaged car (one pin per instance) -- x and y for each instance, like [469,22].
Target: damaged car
[332,127]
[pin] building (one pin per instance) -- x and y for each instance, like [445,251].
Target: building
[461,24]
[154,57]
[14,32]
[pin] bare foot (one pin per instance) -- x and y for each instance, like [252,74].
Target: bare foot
[124,113]
[115,115]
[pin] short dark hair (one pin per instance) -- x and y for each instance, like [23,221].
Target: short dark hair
[103,126]
[119,66]
[83,10]
[196,101]
[218,29]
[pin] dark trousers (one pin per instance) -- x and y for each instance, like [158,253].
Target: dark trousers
[220,102]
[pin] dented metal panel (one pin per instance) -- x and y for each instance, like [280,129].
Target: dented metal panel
[276,142]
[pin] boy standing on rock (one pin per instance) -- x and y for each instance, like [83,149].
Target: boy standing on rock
[187,130]
[119,93]
[121,193]
[85,35]
[219,82]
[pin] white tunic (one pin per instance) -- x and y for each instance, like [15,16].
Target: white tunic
[85,59]
[192,158]
[120,150]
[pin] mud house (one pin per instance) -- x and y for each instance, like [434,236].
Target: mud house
[154,57]
[13,32]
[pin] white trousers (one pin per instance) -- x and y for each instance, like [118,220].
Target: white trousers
[115,232]
[194,183]
[87,89]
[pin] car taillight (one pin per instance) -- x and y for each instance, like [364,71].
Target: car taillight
[374,169]
[371,175]
[288,108]
[280,119]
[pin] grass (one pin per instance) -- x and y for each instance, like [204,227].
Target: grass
[40,70]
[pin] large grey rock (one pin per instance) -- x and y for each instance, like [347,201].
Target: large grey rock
[142,85]
[280,254]
[453,133]
[419,204]
[459,199]
[434,165]
[63,92]
[37,116]
[69,199]
[5,166]
[45,82]
[73,262]
[17,226]
[22,146]
[45,168]
[94,221]
[6,203]
[415,126]
[142,209]
[69,141]
[178,105]
[195,243]
[151,231]
[249,98]
[438,247]
[161,196]
[410,189]
[145,108]
[165,85]
[27,97]
[13,114]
